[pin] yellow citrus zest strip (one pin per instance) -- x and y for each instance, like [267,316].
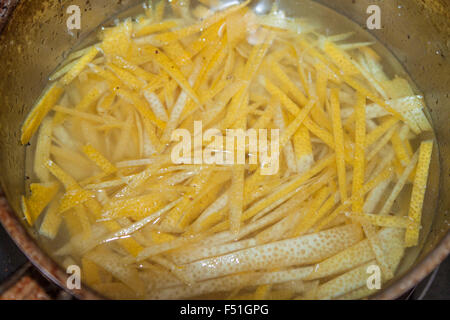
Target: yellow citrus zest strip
[92,96]
[156,27]
[296,123]
[192,29]
[312,216]
[141,106]
[339,143]
[376,133]
[254,61]
[79,66]
[127,78]
[199,181]
[73,198]
[107,101]
[383,221]
[286,189]
[400,184]
[91,272]
[67,180]
[177,53]
[52,221]
[103,163]
[400,149]
[158,13]
[43,149]
[284,99]
[303,149]
[237,198]
[359,160]
[42,108]
[360,88]
[128,243]
[286,81]
[161,237]
[342,60]
[41,195]
[418,193]
[344,206]
[171,68]
[321,88]
[262,292]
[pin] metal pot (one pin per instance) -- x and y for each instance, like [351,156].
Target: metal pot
[34,40]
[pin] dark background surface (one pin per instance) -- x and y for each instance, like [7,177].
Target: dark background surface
[435,287]
[11,259]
